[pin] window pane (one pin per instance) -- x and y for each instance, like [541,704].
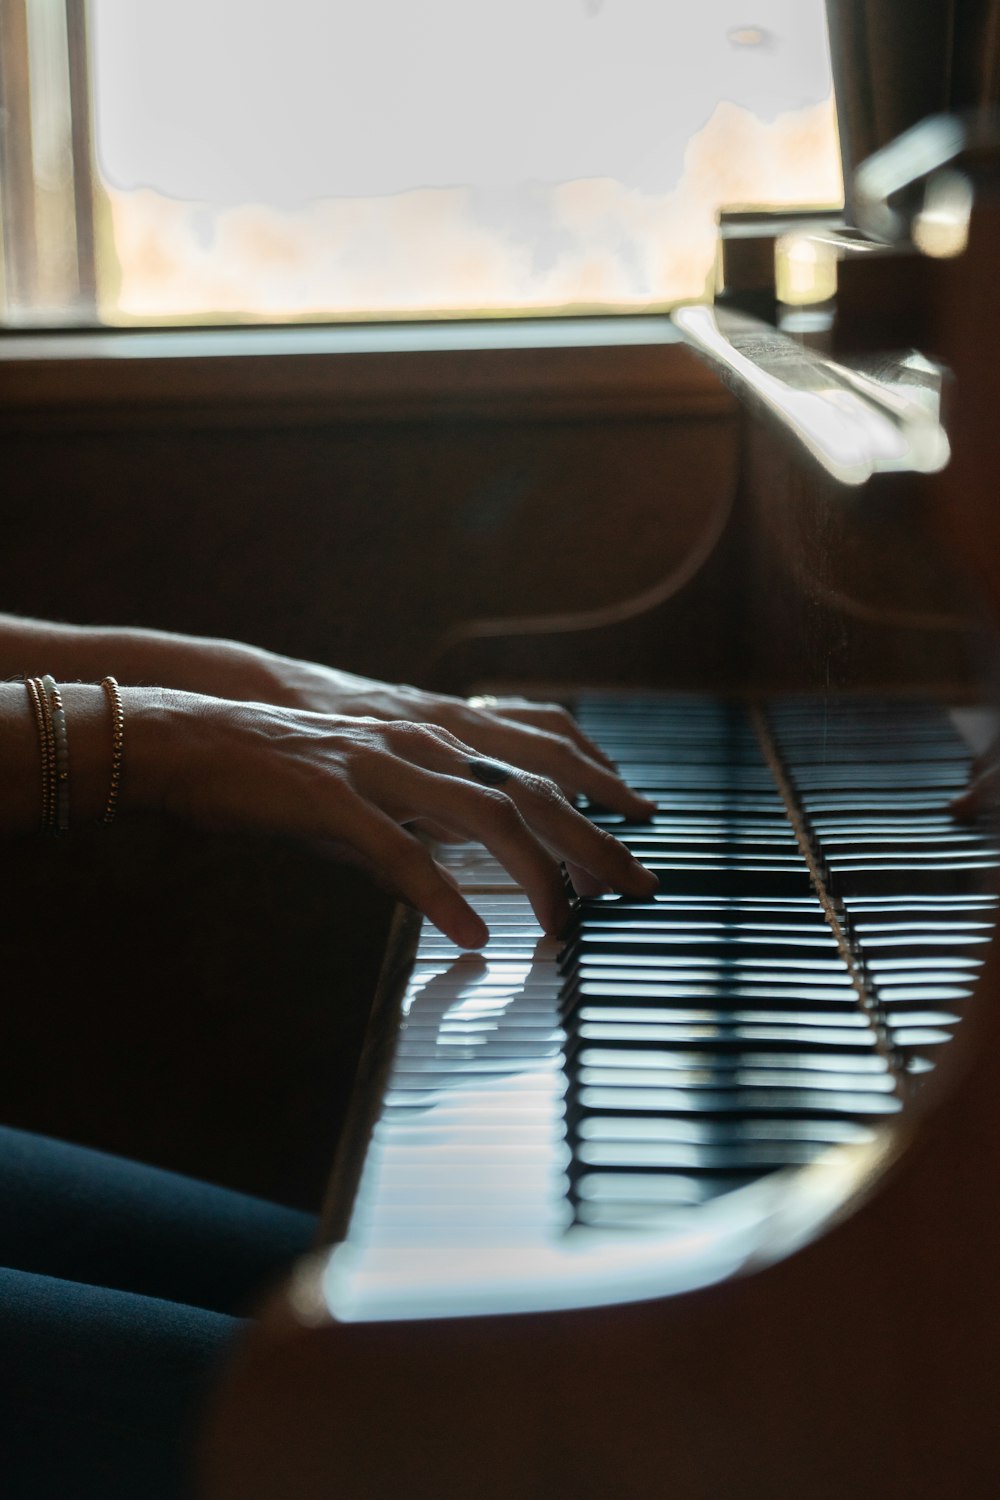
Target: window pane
[444,157]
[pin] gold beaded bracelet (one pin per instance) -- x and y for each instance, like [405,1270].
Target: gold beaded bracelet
[110,687]
[60,741]
[46,741]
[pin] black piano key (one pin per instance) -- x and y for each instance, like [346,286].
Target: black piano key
[723,922]
[624,947]
[764,969]
[800,1103]
[735,879]
[835,1007]
[769,1032]
[662,840]
[674,906]
[970,876]
[761,802]
[755,1157]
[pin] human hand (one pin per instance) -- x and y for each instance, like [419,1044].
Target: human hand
[538,737]
[362,788]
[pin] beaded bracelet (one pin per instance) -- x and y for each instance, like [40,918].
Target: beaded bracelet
[46,741]
[60,739]
[110,687]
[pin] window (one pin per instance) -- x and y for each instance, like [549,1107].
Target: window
[220,161]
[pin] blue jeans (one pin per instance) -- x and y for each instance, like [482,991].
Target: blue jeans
[121,1287]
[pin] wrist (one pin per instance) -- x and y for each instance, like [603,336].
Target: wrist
[130,772]
[87,757]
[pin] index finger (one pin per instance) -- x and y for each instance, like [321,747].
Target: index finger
[401,863]
[556,720]
[580,776]
[560,759]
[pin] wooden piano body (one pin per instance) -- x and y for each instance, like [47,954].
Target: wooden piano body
[855,1353]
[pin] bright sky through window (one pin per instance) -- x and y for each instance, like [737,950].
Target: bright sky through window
[393,158]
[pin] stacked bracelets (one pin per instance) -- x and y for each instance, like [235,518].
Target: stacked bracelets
[53,738]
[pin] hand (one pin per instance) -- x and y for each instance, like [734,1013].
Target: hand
[360,786]
[538,737]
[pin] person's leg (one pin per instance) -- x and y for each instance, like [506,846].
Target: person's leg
[100,1390]
[82,1216]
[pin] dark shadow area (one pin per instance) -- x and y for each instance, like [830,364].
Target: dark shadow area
[190,1000]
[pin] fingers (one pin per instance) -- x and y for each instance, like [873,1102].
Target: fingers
[584,883]
[491,817]
[553,719]
[538,737]
[525,822]
[436,831]
[399,861]
[595,860]
[544,739]
[396,859]
[523,819]
[356,783]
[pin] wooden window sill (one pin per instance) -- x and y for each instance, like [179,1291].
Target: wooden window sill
[530,369]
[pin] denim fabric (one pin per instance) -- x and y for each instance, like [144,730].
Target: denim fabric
[120,1289]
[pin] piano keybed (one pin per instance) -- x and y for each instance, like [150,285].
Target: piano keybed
[819,925]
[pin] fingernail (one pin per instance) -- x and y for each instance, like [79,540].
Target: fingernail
[474,934]
[643,882]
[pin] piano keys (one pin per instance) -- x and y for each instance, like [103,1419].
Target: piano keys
[820,924]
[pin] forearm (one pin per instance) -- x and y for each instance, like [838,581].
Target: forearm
[134,656]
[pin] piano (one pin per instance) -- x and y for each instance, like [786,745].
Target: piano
[699,1202]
